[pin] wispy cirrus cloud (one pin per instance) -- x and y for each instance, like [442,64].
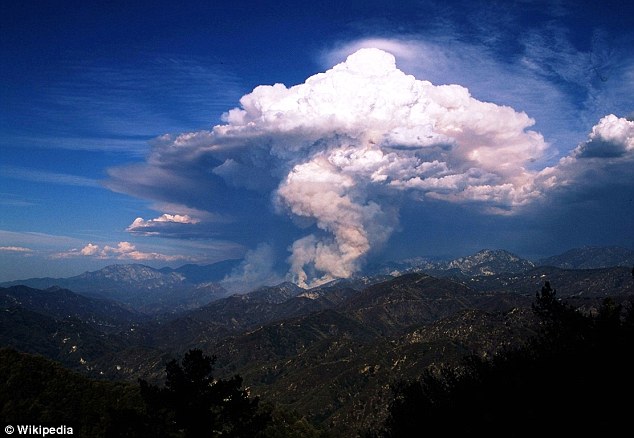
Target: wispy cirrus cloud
[169,91]
[126,144]
[36,240]
[42,176]
[97,105]
[14,200]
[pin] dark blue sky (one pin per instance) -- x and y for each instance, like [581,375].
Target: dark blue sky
[108,151]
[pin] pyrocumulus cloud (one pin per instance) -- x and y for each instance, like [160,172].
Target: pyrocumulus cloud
[349,141]
[343,150]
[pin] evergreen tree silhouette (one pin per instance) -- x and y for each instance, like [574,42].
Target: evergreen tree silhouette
[572,379]
[194,404]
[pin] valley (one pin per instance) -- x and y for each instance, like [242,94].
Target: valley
[329,353]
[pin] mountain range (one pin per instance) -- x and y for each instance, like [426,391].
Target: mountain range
[328,352]
[143,288]
[167,290]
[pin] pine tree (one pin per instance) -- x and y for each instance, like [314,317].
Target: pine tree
[194,404]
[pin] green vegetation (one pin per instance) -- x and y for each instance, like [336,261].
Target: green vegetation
[194,404]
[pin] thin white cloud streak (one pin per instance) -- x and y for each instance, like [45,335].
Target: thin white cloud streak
[36,240]
[123,99]
[122,106]
[41,176]
[17,249]
[136,146]
[14,200]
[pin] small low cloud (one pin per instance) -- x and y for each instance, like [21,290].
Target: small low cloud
[89,250]
[122,251]
[163,222]
[15,249]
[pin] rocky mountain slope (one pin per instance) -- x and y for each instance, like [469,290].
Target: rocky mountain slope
[329,352]
[350,352]
[484,262]
[105,315]
[498,261]
[591,258]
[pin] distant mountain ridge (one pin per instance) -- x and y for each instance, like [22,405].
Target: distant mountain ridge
[484,262]
[490,262]
[591,257]
[144,288]
[498,261]
[169,290]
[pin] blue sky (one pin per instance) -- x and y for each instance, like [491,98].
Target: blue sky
[153,132]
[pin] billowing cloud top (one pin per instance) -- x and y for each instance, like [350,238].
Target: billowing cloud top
[343,150]
[611,137]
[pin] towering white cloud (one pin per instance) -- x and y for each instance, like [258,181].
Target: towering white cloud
[611,137]
[348,141]
[342,151]
[604,160]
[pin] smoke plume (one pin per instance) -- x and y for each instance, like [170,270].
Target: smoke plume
[340,152]
[349,142]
